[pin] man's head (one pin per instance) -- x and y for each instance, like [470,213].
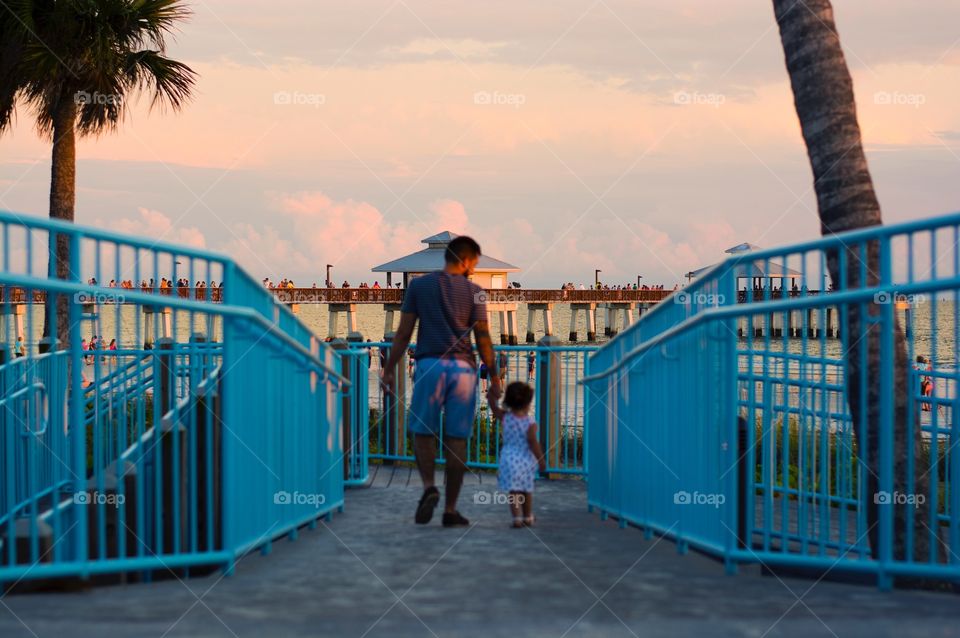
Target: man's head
[462,255]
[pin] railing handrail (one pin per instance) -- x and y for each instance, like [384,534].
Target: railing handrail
[184,303]
[91,232]
[845,238]
[858,295]
[790,302]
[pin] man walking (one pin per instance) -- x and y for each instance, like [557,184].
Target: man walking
[449,306]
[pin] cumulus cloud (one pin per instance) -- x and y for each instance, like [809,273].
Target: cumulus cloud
[354,236]
[156,225]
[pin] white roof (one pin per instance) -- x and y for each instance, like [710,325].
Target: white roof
[431,258]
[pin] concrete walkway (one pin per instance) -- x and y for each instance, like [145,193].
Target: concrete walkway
[371,572]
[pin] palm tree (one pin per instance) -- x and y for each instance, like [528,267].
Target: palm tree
[75,64]
[825,104]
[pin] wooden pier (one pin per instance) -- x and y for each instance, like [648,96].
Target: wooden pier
[616,309]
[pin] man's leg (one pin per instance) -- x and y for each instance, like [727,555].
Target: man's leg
[425,451]
[455,452]
[424,424]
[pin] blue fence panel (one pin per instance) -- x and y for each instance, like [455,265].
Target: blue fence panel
[558,406]
[164,432]
[794,407]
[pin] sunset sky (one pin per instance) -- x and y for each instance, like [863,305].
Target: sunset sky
[639,137]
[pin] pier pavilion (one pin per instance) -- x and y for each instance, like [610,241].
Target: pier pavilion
[491,274]
[764,278]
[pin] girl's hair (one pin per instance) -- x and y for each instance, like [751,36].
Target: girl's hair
[518,395]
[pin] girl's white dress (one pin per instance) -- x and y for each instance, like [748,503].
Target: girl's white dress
[518,465]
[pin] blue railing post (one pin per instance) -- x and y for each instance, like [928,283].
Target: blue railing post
[548,401]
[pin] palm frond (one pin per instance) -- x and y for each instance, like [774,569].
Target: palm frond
[97,53]
[170,81]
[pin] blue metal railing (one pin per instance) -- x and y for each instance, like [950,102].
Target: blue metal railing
[554,371]
[739,424]
[210,429]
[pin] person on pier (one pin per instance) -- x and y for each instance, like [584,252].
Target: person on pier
[448,307]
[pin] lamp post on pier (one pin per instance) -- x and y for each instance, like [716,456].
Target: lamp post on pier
[639,277]
[329,266]
[596,279]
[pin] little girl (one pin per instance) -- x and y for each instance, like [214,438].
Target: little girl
[520,456]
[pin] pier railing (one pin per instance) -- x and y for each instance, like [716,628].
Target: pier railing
[835,456]
[175,444]
[19,295]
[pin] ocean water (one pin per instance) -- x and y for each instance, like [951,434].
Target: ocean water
[125,323]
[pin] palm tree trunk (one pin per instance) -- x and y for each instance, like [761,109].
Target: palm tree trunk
[62,199]
[824,100]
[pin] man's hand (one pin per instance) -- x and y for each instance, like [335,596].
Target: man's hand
[495,391]
[386,378]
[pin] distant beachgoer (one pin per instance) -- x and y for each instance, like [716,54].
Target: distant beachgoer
[376,285]
[531,365]
[19,349]
[521,455]
[926,382]
[502,365]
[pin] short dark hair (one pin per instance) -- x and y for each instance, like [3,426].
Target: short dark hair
[518,395]
[461,248]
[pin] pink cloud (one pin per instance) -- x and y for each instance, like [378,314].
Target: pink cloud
[157,225]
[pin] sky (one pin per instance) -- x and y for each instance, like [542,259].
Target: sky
[639,137]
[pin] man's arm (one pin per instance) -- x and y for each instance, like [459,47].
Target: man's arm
[399,345]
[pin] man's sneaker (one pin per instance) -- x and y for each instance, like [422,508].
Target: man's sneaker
[429,500]
[454,519]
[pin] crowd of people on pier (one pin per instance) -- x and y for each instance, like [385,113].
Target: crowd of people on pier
[288,283]
[96,343]
[602,286]
[151,284]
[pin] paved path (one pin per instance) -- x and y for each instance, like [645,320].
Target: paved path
[371,572]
